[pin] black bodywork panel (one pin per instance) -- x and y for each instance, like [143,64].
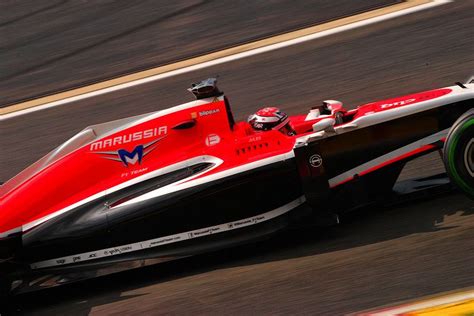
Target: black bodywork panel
[338,154]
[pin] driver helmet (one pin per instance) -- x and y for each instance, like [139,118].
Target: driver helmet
[267,118]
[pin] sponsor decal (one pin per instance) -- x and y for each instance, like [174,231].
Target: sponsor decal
[128,138]
[130,157]
[315,161]
[212,139]
[163,241]
[133,172]
[118,250]
[206,231]
[170,239]
[255,139]
[398,103]
[209,112]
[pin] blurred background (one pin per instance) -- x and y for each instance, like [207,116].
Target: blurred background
[378,258]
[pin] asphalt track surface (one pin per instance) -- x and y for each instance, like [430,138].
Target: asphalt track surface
[47,46]
[379,257]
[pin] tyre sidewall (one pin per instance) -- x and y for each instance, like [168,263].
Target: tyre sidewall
[460,136]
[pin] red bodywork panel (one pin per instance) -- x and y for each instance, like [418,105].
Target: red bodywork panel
[400,102]
[98,166]
[89,170]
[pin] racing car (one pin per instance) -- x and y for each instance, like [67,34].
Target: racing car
[190,179]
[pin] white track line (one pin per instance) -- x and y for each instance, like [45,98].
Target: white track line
[230,58]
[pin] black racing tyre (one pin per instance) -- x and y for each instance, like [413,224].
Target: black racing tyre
[458,153]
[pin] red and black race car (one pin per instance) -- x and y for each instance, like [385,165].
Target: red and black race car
[189,179]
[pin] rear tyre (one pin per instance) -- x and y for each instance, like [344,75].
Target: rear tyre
[458,153]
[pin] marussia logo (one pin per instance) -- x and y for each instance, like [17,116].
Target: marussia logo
[128,138]
[130,157]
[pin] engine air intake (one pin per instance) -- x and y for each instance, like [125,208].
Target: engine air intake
[205,89]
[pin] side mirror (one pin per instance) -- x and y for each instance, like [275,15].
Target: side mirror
[326,125]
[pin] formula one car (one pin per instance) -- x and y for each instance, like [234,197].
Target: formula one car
[189,179]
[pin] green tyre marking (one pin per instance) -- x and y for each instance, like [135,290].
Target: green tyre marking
[466,187]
